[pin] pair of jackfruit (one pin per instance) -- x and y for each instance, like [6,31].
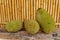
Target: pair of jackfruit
[30,25]
[43,21]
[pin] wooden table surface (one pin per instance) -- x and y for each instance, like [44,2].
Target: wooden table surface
[23,35]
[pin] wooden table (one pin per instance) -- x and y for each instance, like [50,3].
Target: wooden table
[23,35]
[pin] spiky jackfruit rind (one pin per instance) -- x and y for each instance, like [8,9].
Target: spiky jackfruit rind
[14,26]
[31,26]
[45,20]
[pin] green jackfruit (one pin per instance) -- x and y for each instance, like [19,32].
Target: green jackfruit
[14,26]
[31,26]
[45,20]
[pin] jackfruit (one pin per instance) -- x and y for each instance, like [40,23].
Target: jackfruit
[14,26]
[31,26]
[45,20]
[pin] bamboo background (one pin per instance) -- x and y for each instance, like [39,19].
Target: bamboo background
[25,9]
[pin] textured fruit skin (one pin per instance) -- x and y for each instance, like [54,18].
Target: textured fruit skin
[45,20]
[14,26]
[31,26]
